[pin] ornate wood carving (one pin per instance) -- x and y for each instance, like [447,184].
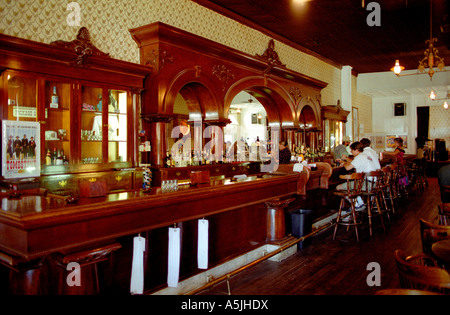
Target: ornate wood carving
[223,74]
[83,47]
[164,118]
[158,58]
[271,57]
[296,94]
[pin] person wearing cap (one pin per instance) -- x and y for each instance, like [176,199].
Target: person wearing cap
[341,153]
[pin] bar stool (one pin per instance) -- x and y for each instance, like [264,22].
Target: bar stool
[418,176]
[24,277]
[372,193]
[88,261]
[387,187]
[403,182]
[355,182]
[395,176]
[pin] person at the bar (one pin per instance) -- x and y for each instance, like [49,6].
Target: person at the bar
[370,152]
[284,154]
[362,163]
[399,150]
[340,153]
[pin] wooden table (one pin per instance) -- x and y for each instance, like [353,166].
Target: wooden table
[442,250]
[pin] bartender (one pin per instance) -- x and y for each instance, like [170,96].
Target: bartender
[285,154]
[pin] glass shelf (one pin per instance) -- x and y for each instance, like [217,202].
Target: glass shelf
[57,123]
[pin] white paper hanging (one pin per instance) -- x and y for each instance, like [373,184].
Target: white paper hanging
[137,268]
[173,271]
[202,245]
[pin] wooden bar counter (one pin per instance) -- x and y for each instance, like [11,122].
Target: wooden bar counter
[35,226]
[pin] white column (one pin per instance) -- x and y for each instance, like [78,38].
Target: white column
[346,96]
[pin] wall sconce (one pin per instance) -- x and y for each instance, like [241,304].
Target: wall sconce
[433,97]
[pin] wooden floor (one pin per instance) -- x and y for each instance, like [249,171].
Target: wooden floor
[339,267]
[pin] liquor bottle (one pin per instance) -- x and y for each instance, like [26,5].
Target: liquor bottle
[54,103]
[59,159]
[48,158]
[54,157]
[167,160]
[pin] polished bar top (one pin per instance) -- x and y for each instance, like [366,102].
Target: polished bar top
[33,225]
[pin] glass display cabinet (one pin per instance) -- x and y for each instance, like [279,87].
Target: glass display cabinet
[334,118]
[87,111]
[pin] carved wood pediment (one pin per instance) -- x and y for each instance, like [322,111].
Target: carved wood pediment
[271,57]
[83,47]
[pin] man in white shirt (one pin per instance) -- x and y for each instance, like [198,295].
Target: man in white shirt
[370,152]
[362,163]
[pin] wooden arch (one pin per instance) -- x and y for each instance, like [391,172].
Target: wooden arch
[200,95]
[276,100]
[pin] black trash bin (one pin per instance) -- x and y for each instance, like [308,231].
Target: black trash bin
[301,223]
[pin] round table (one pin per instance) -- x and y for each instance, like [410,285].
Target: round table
[442,251]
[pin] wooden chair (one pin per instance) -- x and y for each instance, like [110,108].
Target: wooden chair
[414,275]
[373,193]
[353,189]
[444,213]
[431,233]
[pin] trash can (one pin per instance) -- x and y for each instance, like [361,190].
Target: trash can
[301,223]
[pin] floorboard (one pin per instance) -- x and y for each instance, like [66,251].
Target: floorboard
[339,267]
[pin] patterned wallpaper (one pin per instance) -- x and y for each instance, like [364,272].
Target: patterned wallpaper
[439,124]
[109,22]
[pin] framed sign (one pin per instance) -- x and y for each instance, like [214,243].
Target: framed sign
[21,152]
[399,109]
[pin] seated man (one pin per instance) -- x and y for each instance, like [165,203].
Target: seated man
[370,152]
[362,163]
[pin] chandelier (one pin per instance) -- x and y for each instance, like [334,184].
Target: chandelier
[431,59]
